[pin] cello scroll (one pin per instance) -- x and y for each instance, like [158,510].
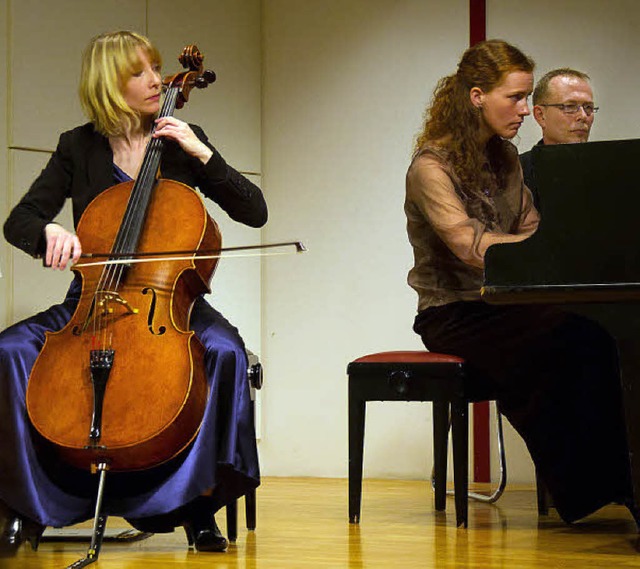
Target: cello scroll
[197,76]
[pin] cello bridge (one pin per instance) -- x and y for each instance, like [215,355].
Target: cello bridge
[108,296]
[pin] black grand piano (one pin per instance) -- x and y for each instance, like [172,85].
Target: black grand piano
[585,254]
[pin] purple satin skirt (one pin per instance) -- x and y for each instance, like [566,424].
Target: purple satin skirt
[223,455]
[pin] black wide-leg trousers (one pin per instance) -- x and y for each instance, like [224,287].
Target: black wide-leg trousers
[556,376]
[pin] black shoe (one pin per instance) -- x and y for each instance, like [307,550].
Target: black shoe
[201,528]
[206,539]
[17,530]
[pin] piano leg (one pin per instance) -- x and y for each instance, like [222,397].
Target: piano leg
[629,358]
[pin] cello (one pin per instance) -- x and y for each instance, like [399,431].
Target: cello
[122,386]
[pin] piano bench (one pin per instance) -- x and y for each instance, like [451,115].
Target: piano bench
[444,380]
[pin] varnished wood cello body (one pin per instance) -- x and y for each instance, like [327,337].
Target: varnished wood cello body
[123,383]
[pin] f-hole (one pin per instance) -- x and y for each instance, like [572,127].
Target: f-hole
[152,310]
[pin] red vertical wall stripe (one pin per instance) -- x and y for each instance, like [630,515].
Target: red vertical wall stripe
[477,21]
[481,446]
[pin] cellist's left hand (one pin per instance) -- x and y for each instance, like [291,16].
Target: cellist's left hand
[180,131]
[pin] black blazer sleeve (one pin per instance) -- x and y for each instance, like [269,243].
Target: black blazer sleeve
[82,167]
[242,200]
[24,227]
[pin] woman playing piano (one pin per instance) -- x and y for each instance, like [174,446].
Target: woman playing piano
[555,372]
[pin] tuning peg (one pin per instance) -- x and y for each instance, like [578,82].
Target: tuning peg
[209,76]
[203,80]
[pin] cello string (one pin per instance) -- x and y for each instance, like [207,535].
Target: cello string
[143,185]
[105,277]
[133,218]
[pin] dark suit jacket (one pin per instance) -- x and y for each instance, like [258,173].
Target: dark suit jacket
[529,174]
[82,167]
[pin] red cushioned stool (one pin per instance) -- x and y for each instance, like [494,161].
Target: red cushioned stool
[418,376]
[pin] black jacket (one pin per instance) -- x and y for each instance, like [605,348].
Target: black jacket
[82,167]
[529,174]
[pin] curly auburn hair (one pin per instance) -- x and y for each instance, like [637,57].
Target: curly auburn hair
[453,124]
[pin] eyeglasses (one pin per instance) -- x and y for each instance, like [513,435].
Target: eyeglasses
[573,108]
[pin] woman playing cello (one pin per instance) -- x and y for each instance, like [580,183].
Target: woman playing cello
[120,88]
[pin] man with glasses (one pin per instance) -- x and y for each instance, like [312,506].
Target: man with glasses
[563,107]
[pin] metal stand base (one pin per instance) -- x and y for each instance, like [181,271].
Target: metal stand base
[99,524]
[80,535]
[495,495]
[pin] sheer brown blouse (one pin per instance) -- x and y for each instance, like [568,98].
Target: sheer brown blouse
[448,245]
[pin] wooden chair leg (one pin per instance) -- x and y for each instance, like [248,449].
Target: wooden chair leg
[356,447]
[440,446]
[232,520]
[232,515]
[250,509]
[460,443]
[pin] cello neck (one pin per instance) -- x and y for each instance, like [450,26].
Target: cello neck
[135,214]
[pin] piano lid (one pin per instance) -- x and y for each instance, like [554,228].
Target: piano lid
[590,217]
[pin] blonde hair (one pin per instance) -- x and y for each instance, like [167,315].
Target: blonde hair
[453,123]
[108,63]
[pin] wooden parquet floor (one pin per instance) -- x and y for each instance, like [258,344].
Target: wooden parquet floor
[303,523]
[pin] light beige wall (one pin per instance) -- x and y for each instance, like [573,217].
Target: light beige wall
[227,32]
[599,38]
[346,83]
[47,40]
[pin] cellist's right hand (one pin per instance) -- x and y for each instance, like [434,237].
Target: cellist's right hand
[62,246]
